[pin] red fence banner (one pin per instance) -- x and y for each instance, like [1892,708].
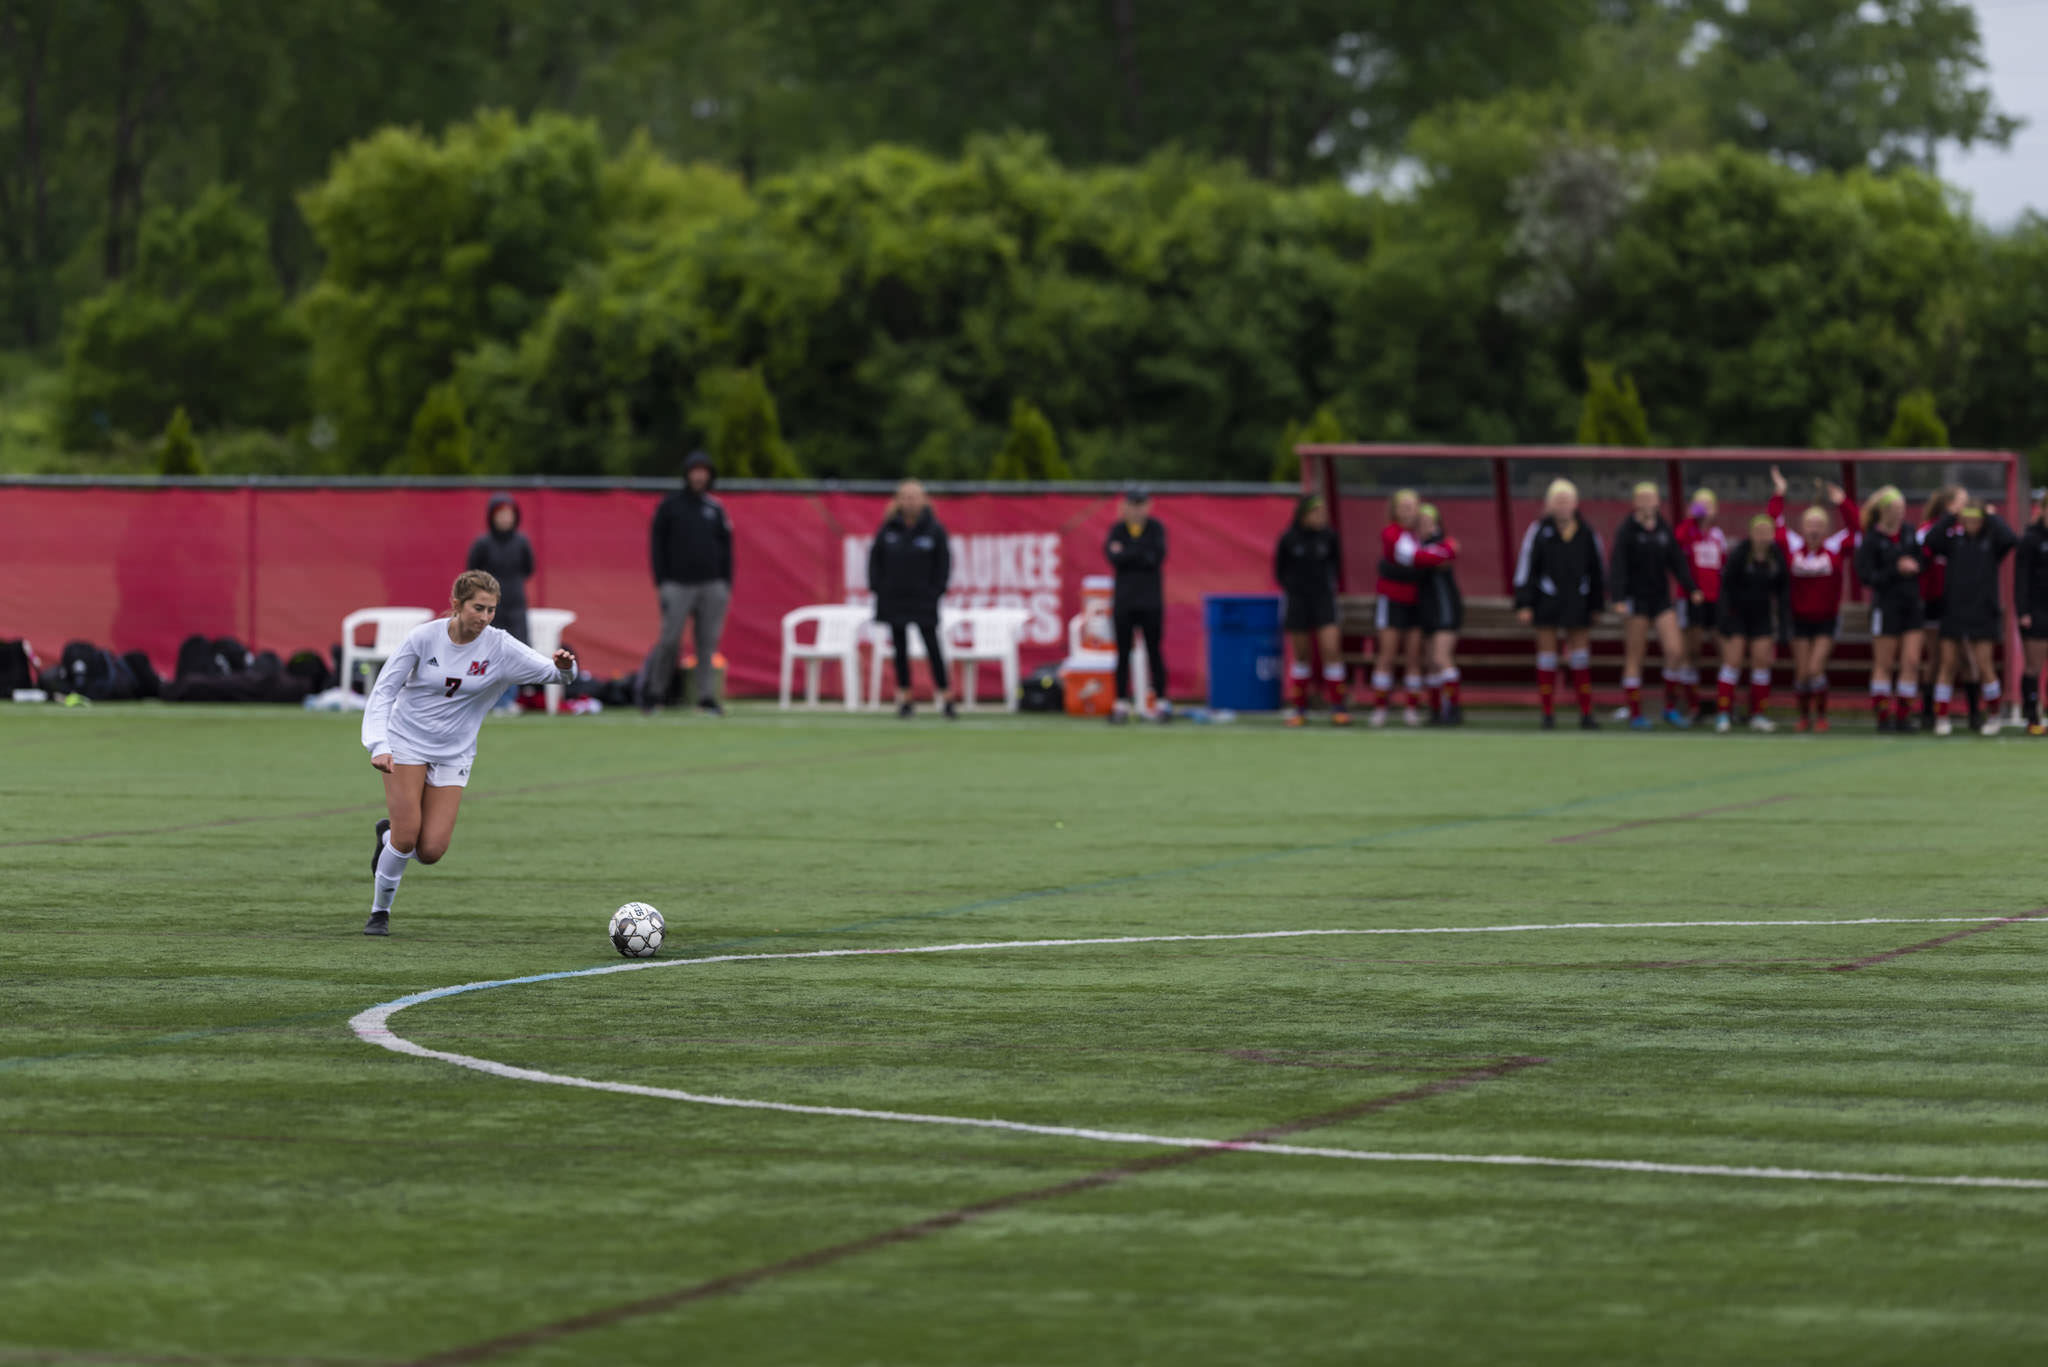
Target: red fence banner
[279,567]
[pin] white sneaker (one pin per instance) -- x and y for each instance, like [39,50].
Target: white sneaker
[1621,714]
[1943,726]
[1992,727]
[1411,716]
[1760,722]
[1722,724]
[1377,719]
[1119,713]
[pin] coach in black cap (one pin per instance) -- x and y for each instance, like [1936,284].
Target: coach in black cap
[1137,552]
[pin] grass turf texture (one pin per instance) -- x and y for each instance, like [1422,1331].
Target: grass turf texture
[199,1162]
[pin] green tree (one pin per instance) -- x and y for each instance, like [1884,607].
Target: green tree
[439,441]
[1031,451]
[1613,413]
[1842,84]
[178,453]
[200,322]
[1917,425]
[742,429]
[1322,429]
[435,247]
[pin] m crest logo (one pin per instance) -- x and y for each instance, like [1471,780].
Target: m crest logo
[479,666]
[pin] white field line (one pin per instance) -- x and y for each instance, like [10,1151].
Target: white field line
[373,1026]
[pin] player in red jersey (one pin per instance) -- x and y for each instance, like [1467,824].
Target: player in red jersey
[1404,563]
[1443,617]
[1706,549]
[1934,596]
[1818,555]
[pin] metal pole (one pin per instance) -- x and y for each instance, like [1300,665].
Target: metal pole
[1504,522]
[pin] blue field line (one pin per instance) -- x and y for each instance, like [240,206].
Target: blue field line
[1043,894]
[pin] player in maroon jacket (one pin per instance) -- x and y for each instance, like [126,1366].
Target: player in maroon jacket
[1404,563]
[1934,597]
[1706,546]
[1818,556]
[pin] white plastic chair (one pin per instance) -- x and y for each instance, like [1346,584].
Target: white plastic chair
[987,636]
[392,625]
[544,628]
[1080,647]
[835,640]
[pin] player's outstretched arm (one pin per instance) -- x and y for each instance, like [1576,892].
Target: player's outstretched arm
[383,697]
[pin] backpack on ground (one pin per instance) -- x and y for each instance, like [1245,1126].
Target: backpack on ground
[1042,691]
[308,666]
[17,667]
[96,673]
[147,684]
[196,659]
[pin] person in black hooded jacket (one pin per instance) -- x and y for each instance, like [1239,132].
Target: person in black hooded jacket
[909,565]
[1977,542]
[1305,567]
[690,552]
[504,553]
[2030,606]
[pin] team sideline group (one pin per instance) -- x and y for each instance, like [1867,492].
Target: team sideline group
[1935,616]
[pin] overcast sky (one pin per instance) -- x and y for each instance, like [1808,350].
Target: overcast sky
[2005,183]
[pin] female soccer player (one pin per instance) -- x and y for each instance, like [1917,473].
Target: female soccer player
[1947,499]
[1818,555]
[1404,562]
[1972,619]
[2030,605]
[1706,549]
[1305,565]
[1443,617]
[1756,614]
[1647,557]
[421,724]
[1560,587]
[1888,563]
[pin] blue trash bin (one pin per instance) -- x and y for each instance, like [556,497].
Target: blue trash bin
[1244,651]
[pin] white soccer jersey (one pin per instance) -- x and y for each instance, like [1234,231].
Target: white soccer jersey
[430,698]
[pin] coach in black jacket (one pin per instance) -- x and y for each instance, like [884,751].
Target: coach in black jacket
[690,551]
[504,553]
[909,565]
[1136,550]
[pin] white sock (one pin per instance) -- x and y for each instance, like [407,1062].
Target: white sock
[390,869]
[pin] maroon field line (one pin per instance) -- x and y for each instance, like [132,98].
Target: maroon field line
[1666,820]
[739,767]
[1872,960]
[936,1224]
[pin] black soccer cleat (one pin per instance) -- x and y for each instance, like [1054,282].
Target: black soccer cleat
[712,707]
[952,710]
[378,924]
[1588,722]
[905,711]
[377,846]
[1549,721]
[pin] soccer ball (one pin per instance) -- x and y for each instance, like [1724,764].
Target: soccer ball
[637,930]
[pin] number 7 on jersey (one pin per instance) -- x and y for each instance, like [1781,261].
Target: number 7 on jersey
[453,684]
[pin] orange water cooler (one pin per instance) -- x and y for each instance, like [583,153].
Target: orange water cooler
[1088,676]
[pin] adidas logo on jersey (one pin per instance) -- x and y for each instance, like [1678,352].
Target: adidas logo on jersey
[432,661]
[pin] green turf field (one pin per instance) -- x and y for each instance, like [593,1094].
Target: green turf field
[201,1162]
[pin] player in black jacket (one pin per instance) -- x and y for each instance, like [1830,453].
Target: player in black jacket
[1440,608]
[2030,606]
[1305,566]
[1756,614]
[909,565]
[1888,564]
[1977,542]
[1560,587]
[1647,557]
[1136,550]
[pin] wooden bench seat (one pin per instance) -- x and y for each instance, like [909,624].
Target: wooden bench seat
[1497,654]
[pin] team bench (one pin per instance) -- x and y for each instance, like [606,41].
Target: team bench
[1497,654]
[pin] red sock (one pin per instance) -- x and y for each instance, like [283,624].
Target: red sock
[1692,696]
[1805,703]
[1546,690]
[1759,698]
[1432,696]
[1450,692]
[1820,699]
[1941,707]
[1297,692]
[1382,695]
[1333,690]
[1584,679]
[1725,694]
[1635,702]
[1670,695]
